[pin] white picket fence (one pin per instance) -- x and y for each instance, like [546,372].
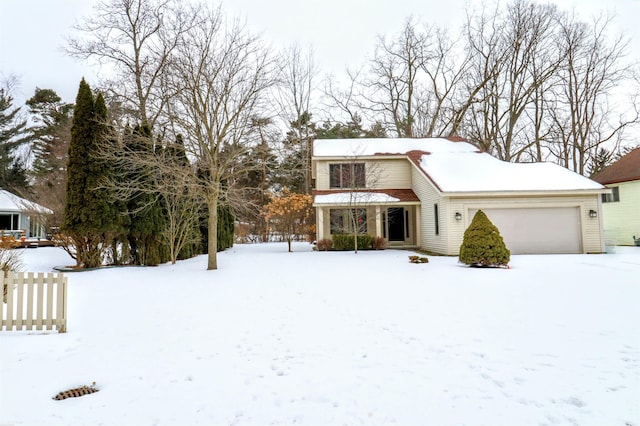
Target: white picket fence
[34,301]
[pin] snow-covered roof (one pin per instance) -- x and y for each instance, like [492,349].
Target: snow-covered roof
[12,203]
[354,198]
[368,147]
[460,166]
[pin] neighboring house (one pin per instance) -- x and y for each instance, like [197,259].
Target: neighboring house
[20,217]
[423,193]
[621,208]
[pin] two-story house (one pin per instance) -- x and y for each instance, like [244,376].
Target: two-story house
[423,193]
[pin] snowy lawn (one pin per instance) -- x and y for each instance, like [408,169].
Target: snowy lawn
[335,338]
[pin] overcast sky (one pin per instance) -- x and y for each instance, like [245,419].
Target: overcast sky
[342,32]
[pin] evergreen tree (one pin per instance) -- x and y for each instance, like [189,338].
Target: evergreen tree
[13,175]
[482,244]
[339,131]
[49,138]
[295,171]
[225,227]
[85,216]
[146,214]
[259,167]
[77,166]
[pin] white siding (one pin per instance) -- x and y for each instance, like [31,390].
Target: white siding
[622,218]
[382,174]
[429,196]
[547,230]
[592,240]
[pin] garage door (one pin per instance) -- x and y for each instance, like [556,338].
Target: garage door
[544,230]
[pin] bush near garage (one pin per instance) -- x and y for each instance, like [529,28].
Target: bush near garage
[482,244]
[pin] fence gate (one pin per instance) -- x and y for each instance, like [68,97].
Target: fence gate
[33,301]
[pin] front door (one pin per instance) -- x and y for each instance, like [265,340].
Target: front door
[396,223]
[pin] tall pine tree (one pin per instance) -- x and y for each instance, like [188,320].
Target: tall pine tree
[49,136]
[89,217]
[13,175]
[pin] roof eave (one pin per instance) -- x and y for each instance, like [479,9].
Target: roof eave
[518,193]
[368,203]
[615,182]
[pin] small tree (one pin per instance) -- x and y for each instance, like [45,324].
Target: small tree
[288,212]
[482,244]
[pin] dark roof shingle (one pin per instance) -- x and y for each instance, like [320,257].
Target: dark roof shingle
[626,169]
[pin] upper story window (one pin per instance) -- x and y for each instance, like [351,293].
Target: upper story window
[613,197]
[347,175]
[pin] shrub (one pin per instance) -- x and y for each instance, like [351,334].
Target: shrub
[379,243]
[482,244]
[324,244]
[345,242]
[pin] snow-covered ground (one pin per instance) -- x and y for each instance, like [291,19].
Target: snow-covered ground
[335,339]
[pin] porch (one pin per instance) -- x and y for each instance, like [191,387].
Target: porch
[392,216]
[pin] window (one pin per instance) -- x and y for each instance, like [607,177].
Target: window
[613,197]
[342,221]
[347,175]
[436,219]
[9,221]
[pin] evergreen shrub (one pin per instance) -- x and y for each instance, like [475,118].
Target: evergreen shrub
[345,242]
[482,244]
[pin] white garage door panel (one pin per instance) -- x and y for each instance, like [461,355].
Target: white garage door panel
[543,230]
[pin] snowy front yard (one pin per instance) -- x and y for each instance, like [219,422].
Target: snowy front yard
[335,338]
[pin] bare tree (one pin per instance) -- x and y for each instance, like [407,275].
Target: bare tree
[509,48]
[414,85]
[445,68]
[218,80]
[394,89]
[134,41]
[343,101]
[296,74]
[358,180]
[584,118]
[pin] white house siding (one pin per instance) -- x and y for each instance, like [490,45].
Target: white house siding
[622,218]
[389,174]
[591,240]
[324,221]
[382,174]
[429,196]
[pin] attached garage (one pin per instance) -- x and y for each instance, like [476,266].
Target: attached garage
[538,230]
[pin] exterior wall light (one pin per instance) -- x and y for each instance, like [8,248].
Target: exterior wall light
[458,216]
[593,214]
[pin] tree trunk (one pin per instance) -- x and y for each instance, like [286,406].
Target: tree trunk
[213,234]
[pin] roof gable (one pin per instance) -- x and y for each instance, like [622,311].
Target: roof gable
[458,166]
[626,169]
